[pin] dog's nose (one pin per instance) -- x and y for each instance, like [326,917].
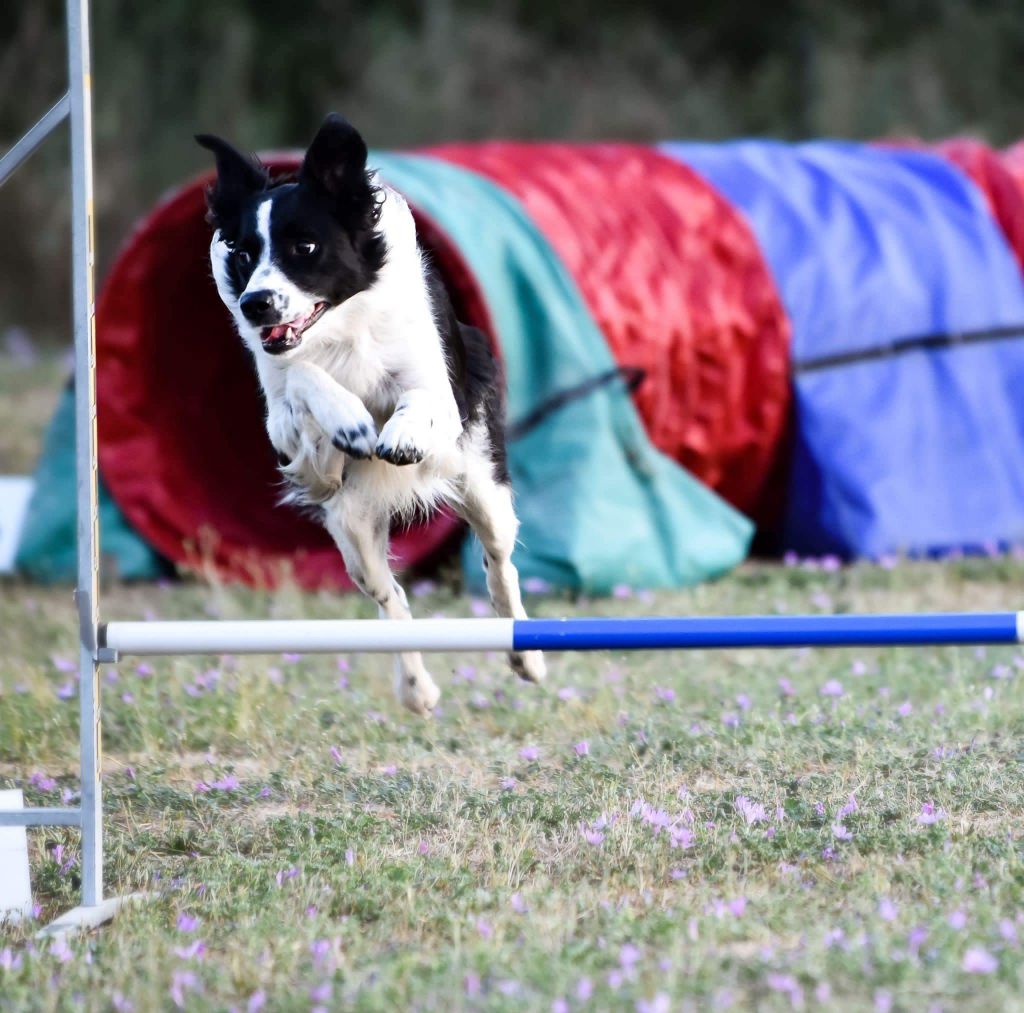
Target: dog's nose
[258,307]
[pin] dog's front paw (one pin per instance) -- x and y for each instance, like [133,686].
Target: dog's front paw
[398,443]
[356,439]
[352,429]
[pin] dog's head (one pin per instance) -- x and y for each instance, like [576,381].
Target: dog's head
[285,253]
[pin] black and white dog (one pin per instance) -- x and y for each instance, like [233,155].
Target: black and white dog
[380,401]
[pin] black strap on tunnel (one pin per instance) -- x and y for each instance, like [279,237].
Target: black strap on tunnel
[631,376]
[900,346]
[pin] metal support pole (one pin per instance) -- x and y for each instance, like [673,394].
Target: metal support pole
[38,133]
[83,260]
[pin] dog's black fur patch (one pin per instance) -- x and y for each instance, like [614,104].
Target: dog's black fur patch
[474,374]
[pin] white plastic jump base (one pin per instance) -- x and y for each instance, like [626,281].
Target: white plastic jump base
[81,919]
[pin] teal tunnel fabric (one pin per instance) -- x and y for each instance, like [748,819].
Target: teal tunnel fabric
[47,550]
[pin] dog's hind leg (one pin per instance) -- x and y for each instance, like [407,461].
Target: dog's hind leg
[486,505]
[363,541]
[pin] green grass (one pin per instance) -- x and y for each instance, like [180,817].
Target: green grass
[436,865]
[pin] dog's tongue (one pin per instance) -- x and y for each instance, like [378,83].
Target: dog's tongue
[273,333]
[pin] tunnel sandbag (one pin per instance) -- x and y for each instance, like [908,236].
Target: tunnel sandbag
[599,505]
[907,437]
[183,449]
[677,283]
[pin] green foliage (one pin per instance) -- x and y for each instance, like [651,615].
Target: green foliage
[409,74]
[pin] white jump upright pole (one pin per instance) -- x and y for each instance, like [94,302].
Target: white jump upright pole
[83,296]
[76,106]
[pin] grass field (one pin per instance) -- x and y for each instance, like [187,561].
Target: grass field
[791,830]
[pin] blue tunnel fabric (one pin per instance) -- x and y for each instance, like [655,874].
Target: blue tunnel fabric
[916,452]
[598,504]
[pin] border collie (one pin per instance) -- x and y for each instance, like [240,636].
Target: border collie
[379,401]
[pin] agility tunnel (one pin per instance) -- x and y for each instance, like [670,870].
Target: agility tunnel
[826,335]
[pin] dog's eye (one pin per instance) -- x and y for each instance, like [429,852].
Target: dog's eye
[305,248]
[242,257]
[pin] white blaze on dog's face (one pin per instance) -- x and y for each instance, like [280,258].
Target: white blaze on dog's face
[284,254]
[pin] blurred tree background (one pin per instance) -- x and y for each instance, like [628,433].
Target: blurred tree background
[264,73]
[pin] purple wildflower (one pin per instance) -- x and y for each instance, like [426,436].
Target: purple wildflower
[832,688]
[256,1001]
[187,922]
[979,961]
[322,992]
[629,956]
[887,910]
[916,938]
[228,783]
[42,781]
[181,983]
[195,950]
[751,811]
[957,920]
[664,694]
[788,986]
[582,748]
[529,754]
[929,814]
[849,809]
[285,874]
[59,948]
[841,833]
[659,1004]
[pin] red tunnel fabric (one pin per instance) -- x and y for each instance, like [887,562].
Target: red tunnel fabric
[677,283]
[993,176]
[1013,161]
[182,445]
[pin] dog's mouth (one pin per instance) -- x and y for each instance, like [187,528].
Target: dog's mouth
[283,337]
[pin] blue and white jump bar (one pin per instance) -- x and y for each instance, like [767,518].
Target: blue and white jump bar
[327,636]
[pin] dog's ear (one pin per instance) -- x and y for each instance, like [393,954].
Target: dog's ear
[238,177]
[336,161]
